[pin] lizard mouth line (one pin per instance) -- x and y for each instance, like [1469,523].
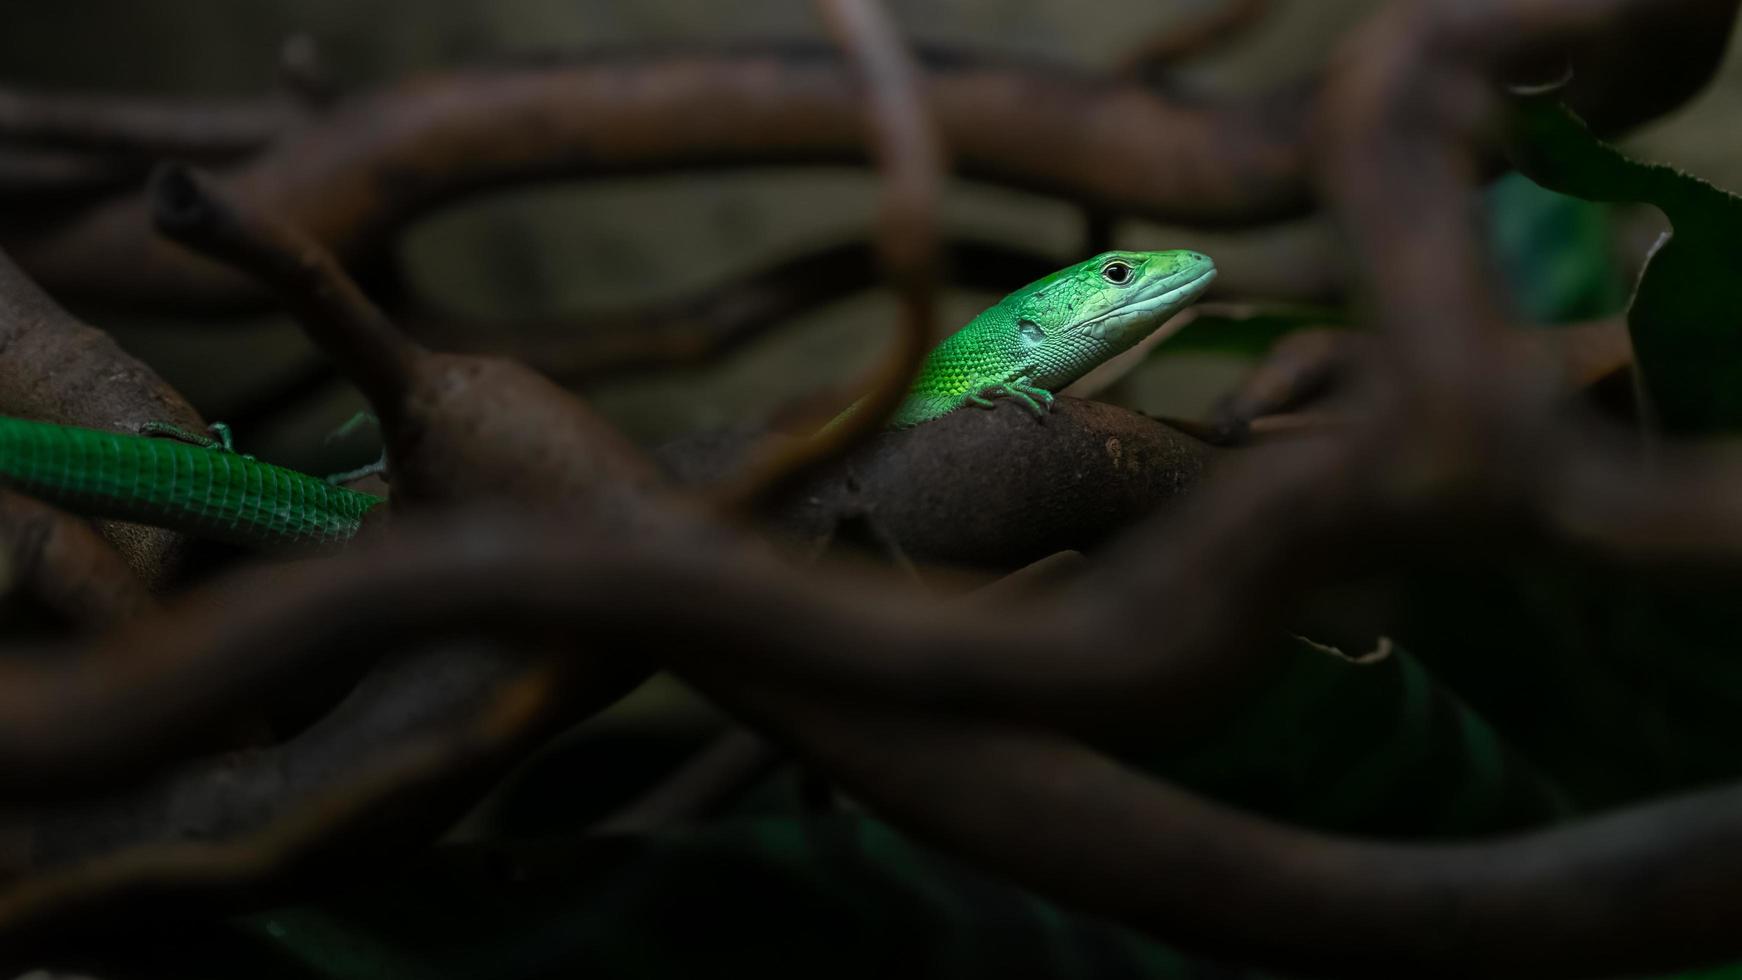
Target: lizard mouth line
[1107,324]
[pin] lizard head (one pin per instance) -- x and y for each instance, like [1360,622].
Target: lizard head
[1084,314]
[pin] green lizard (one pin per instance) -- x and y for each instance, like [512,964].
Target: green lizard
[187,483]
[1040,338]
[1030,344]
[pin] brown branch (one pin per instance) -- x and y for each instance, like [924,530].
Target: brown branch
[912,162]
[191,208]
[207,130]
[457,428]
[997,490]
[58,369]
[377,162]
[987,491]
[761,617]
[1636,60]
[1233,542]
[1199,34]
[165,876]
[1585,353]
[1156,851]
[194,667]
[1648,889]
[1312,363]
[213,800]
[1406,106]
[1614,893]
[39,180]
[718,320]
[1300,367]
[61,563]
[1681,512]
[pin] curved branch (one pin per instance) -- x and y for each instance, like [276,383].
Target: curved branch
[1643,890]
[1086,663]
[403,698]
[1197,35]
[716,321]
[190,208]
[170,875]
[1636,60]
[61,562]
[909,156]
[142,128]
[994,490]
[375,163]
[1056,816]
[457,428]
[35,181]
[56,368]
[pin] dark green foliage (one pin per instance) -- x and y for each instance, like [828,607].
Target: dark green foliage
[839,896]
[1686,315]
[1555,253]
[1378,746]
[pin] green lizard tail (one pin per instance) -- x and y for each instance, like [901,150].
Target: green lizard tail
[166,483]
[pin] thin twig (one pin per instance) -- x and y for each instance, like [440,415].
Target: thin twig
[456,427]
[191,208]
[911,158]
[142,128]
[716,321]
[1199,34]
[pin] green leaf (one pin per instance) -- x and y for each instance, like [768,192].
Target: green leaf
[1371,745]
[1621,683]
[1686,315]
[1555,251]
[819,895]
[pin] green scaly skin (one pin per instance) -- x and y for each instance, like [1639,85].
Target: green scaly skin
[1042,337]
[211,492]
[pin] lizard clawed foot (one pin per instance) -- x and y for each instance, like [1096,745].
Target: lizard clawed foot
[377,468]
[352,424]
[1038,401]
[219,440]
[344,431]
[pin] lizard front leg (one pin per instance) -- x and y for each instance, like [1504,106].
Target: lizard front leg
[220,439]
[1038,401]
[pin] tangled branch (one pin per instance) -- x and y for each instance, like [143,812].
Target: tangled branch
[981,726]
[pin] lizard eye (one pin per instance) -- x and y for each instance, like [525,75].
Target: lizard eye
[1117,273]
[1030,331]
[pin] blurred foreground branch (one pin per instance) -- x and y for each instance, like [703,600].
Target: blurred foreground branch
[977,725]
